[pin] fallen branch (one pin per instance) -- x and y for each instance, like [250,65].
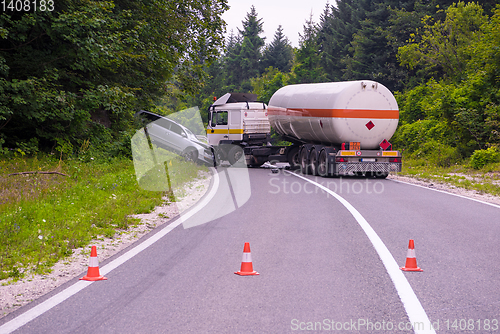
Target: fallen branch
[22,173]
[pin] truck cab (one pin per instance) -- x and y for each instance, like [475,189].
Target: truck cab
[236,121]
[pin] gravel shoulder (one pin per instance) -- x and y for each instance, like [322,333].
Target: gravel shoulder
[15,294]
[447,188]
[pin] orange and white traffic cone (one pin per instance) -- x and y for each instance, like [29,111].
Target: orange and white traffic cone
[411,260]
[246,263]
[93,270]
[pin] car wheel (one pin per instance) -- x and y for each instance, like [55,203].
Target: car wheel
[190,154]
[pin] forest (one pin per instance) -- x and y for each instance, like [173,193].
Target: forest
[74,77]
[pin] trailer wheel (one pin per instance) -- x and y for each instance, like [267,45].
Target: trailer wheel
[304,163]
[293,157]
[236,156]
[323,163]
[313,162]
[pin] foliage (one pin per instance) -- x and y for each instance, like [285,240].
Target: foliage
[481,158]
[231,62]
[336,27]
[412,136]
[73,78]
[371,54]
[80,72]
[267,84]
[438,154]
[444,46]
[466,98]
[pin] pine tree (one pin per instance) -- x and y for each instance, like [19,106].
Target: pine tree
[278,54]
[370,52]
[337,25]
[250,53]
[307,67]
[232,62]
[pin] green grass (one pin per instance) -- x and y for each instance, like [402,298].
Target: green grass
[44,217]
[485,180]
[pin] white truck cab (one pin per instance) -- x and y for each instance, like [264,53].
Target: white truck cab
[235,121]
[236,117]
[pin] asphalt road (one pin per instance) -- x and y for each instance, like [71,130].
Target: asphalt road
[319,271]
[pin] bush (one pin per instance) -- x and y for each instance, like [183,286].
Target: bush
[412,137]
[481,158]
[438,154]
[3,150]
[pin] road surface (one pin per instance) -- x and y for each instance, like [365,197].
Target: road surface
[319,268]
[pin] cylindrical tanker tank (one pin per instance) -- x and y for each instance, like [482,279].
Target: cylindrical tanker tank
[335,112]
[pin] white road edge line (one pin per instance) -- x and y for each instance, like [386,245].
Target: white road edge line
[41,308]
[414,309]
[446,192]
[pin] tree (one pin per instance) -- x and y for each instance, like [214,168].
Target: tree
[371,55]
[336,27]
[250,53]
[232,62]
[307,67]
[278,54]
[267,84]
[462,96]
[444,47]
[81,71]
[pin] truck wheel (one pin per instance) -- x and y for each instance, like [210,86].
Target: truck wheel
[313,162]
[381,175]
[236,156]
[304,163]
[323,163]
[293,157]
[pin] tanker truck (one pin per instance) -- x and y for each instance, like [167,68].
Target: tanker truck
[336,128]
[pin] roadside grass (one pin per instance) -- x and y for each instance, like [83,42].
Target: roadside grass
[43,217]
[485,180]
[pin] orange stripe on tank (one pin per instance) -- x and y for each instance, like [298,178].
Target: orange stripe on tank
[335,113]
